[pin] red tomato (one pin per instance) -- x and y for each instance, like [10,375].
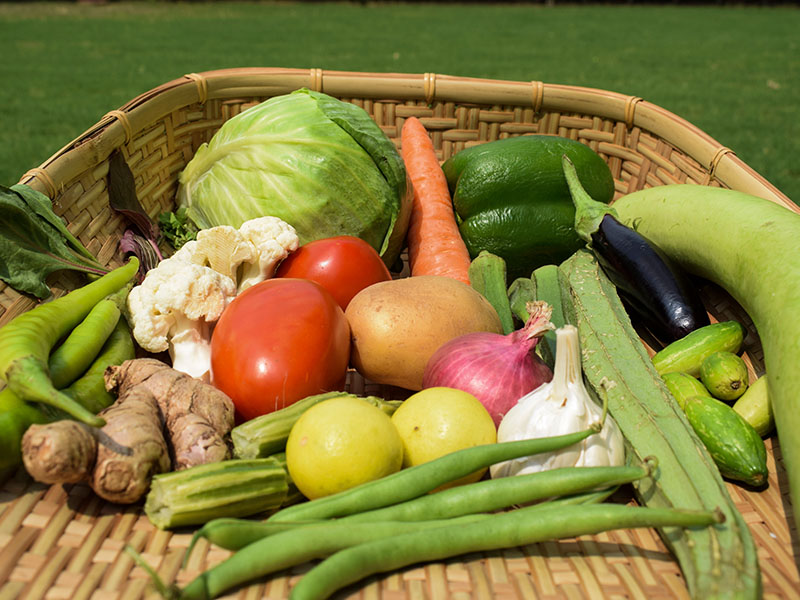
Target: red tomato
[343,265]
[278,342]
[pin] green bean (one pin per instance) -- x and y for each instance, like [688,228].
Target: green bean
[585,497]
[505,530]
[487,275]
[420,479]
[235,534]
[505,492]
[26,342]
[298,545]
[288,546]
[70,359]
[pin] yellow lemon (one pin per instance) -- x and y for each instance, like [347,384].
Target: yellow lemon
[341,443]
[441,420]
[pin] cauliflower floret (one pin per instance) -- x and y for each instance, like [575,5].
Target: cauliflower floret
[174,309]
[247,255]
[273,239]
[221,248]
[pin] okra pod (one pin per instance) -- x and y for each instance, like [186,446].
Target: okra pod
[487,275]
[549,284]
[231,488]
[266,435]
[545,284]
[521,291]
[717,562]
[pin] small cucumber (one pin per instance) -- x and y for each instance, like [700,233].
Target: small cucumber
[487,275]
[732,442]
[687,354]
[755,407]
[725,375]
[683,386]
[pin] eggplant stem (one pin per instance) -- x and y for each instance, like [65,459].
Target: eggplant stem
[588,212]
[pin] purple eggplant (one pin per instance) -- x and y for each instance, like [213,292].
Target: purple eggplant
[656,292]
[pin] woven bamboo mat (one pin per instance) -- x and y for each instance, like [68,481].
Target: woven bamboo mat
[61,542]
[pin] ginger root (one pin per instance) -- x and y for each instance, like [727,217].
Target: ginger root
[119,459]
[60,452]
[198,416]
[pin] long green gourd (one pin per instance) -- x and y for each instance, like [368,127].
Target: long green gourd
[750,247]
[717,562]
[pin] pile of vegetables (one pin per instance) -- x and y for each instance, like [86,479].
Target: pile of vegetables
[179,384]
[394,522]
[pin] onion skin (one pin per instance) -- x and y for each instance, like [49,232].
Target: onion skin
[496,369]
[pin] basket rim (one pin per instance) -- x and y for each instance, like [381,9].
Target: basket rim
[117,127]
[76,174]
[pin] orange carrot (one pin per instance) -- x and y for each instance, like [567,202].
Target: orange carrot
[435,246]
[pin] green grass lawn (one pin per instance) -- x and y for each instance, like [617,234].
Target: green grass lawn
[732,71]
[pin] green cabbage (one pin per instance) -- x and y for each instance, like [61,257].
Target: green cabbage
[320,164]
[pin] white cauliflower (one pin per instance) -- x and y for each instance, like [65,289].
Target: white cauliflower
[179,301]
[247,255]
[174,309]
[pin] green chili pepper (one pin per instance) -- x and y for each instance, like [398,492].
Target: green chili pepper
[89,391]
[70,359]
[26,342]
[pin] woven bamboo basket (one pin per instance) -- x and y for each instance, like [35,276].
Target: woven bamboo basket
[62,542]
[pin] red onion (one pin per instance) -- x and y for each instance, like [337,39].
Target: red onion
[497,369]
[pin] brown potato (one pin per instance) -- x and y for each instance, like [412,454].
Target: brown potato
[397,325]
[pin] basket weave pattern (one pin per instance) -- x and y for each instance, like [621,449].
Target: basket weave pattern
[63,542]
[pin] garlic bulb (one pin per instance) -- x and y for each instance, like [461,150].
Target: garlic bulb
[559,407]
